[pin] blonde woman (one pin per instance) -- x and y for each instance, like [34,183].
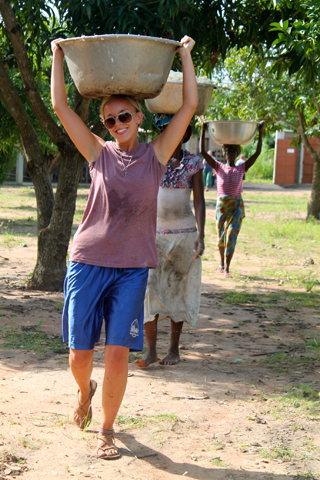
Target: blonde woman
[115,243]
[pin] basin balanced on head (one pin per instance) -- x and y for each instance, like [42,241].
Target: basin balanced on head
[229,207]
[114,246]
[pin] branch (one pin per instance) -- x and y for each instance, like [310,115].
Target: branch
[16,109]
[13,28]
[99,129]
[316,102]
[304,136]
[288,124]
[81,106]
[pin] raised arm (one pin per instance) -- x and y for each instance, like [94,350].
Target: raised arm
[166,143]
[254,157]
[88,144]
[203,151]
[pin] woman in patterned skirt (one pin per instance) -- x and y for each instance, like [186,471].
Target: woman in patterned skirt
[229,208]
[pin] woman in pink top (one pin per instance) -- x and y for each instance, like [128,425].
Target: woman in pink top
[115,243]
[229,207]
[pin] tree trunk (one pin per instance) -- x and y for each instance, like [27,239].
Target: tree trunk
[53,240]
[314,201]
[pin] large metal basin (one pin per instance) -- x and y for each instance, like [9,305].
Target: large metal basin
[170,99]
[230,132]
[119,64]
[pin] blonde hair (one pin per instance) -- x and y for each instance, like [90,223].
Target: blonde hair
[109,98]
[224,148]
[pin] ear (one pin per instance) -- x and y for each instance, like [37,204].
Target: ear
[139,117]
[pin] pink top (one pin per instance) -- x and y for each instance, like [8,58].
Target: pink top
[118,227]
[229,179]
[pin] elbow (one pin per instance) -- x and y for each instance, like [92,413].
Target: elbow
[57,107]
[194,104]
[55,104]
[191,102]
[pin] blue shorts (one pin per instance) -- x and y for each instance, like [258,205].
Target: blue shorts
[92,293]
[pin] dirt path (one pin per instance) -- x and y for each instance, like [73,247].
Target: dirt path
[216,415]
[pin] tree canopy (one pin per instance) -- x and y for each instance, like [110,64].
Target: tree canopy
[298,42]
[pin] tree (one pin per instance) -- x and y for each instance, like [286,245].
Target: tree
[298,48]
[53,235]
[26,30]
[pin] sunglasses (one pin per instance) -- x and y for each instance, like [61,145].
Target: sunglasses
[124,117]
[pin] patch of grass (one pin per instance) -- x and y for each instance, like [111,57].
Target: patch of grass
[278,451]
[292,300]
[313,344]
[239,298]
[32,338]
[6,234]
[302,279]
[302,391]
[58,306]
[297,299]
[284,358]
[298,399]
[219,463]
[139,421]
[302,475]
[28,444]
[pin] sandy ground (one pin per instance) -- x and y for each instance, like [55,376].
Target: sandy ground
[215,415]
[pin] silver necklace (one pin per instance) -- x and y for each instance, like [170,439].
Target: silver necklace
[125,167]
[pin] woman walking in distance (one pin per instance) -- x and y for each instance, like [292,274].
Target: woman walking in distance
[114,245]
[229,207]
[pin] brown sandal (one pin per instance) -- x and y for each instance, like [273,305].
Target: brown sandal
[105,449]
[80,416]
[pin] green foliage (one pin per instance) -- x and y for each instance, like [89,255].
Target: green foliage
[298,41]
[216,25]
[263,167]
[7,162]
[251,90]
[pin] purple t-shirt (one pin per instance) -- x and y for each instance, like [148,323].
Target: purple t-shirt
[118,227]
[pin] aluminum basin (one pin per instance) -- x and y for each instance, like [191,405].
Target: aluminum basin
[170,99]
[230,132]
[104,65]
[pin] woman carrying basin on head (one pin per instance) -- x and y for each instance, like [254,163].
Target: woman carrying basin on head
[115,243]
[174,289]
[229,207]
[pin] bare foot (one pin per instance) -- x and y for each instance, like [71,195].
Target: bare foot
[146,360]
[170,359]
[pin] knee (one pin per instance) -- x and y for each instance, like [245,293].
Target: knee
[80,358]
[116,357]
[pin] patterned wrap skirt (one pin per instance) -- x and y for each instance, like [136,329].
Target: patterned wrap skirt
[230,213]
